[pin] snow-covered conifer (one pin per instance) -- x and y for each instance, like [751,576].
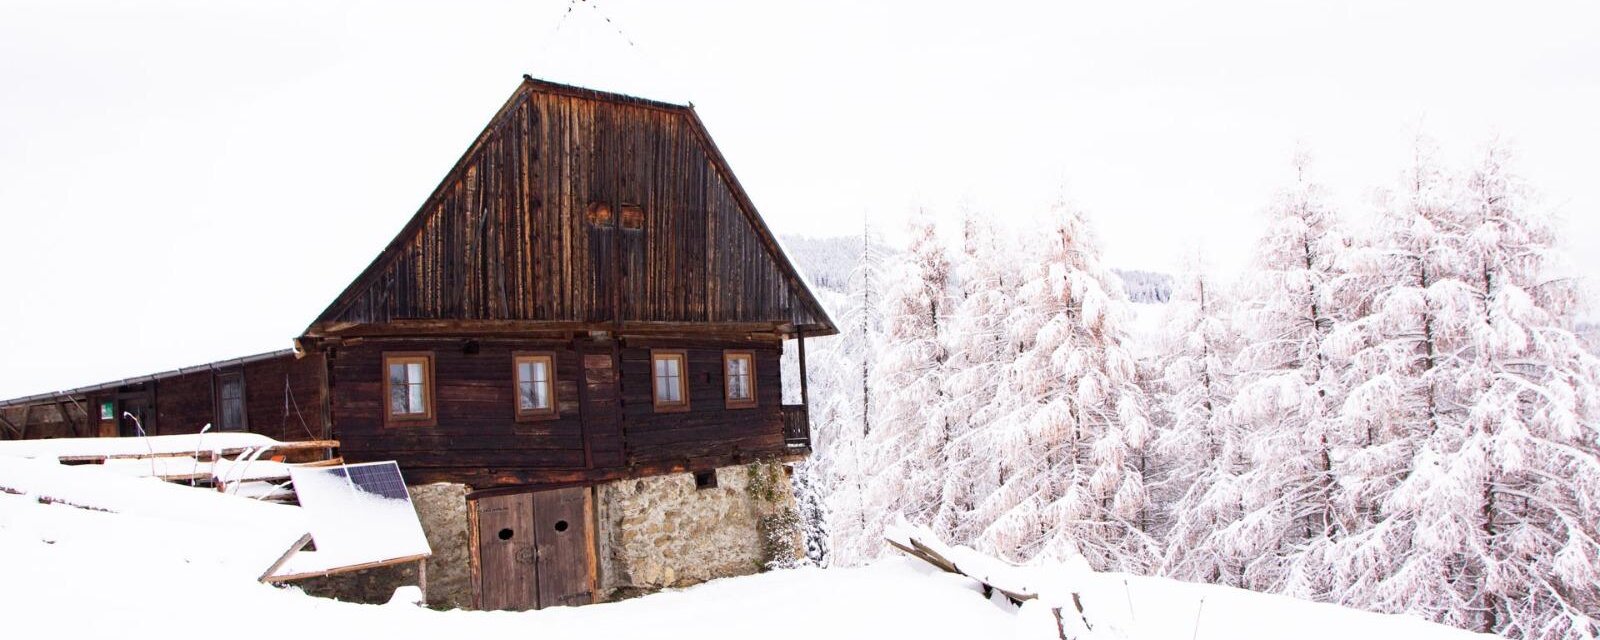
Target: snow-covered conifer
[1202,454]
[911,434]
[1076,432]
[1286,388]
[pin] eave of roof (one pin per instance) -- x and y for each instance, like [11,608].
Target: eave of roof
[220,365]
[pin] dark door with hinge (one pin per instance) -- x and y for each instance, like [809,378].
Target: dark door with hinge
[507,549]
[561,527]
[601,410]
[535,549]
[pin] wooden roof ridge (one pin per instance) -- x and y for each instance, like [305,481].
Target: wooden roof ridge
[218,365]
[529,83]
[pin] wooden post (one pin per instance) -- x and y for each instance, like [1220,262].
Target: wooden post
[805,397]
[422,579]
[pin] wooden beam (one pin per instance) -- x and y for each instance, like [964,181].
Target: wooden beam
[344,569]
[88,421]
[278,564]
[67,417]
[9,425]
[205,455]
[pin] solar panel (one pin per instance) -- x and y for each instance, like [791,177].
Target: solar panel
[358,514]
[377,478]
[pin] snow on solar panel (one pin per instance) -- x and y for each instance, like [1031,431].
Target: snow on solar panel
[358,514]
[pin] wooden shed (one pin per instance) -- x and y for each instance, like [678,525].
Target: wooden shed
[589,296]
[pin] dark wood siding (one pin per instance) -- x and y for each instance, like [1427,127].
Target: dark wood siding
[474,395]
[478,441]
[280,393]
[707,429]
[506,236]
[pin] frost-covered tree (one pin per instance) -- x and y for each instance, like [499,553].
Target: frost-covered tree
[1203,454]
[1533,416]
[842,410]
[1404,289]
[912,435]
[984,282]
[1286,388]
[1474,488]
[1075,434]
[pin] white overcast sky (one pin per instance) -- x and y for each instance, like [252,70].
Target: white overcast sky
[182,182]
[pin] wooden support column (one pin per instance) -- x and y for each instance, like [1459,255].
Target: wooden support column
[27,413]
[805,397]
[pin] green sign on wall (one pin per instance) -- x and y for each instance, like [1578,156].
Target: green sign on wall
[108,410]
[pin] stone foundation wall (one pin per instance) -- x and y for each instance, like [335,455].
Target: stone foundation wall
[442,508]
[662,532]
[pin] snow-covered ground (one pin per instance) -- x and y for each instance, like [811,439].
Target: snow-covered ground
[126,575]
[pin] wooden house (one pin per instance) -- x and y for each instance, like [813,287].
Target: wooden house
[588,300]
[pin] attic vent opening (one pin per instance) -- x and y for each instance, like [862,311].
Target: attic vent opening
[599,214]
[632,217]
[705,479]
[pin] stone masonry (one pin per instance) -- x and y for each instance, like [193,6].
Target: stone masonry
[661,531]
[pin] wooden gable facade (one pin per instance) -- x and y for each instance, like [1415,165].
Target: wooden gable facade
[599,235]
[578,209]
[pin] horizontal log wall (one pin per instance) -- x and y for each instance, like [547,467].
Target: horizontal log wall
[478,441]
[474,406]
[508,235]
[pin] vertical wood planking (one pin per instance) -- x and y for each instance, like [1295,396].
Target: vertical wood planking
[505,236]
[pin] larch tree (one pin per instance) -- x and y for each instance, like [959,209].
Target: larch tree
[1203,455]
[1533,420]
[1076,431]
[984,284]
[844,411]
[1404,287]
[1287,387]
[911,435]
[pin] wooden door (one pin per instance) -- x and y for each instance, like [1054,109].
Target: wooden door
[561,521]
[535,549]
[507,552]
[139,408]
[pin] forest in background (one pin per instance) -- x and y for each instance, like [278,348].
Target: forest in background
[1399,415]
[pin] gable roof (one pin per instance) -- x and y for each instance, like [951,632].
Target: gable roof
[485,246]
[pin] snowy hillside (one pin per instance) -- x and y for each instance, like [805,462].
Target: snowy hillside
[63,562]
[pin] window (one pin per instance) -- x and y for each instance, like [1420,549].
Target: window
[739,379]
[535,374]
[632,217]
[230,402]
[671,380]
[705,479]
[408,384]
[599,214]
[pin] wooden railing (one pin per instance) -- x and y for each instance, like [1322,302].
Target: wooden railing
[796,426]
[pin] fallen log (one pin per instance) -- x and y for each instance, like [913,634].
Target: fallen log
[1017,584]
